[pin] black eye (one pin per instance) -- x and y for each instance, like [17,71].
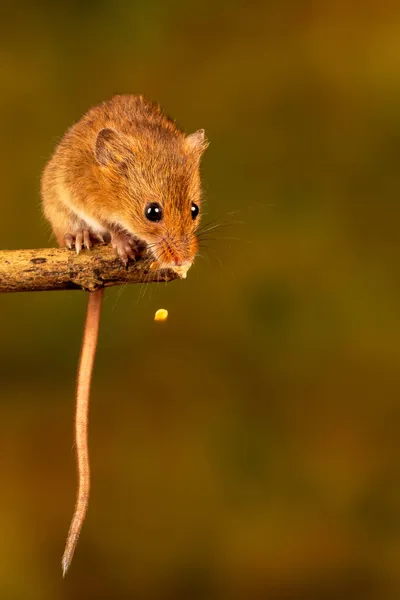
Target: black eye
[194,210]
[153,212]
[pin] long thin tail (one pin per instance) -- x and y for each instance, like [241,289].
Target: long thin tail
[85,369]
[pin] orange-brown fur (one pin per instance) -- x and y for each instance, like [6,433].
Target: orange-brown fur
[152,160]
[121,156]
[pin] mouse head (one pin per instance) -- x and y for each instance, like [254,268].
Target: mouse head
[154,179]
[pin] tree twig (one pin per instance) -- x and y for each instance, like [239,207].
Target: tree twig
[62,269]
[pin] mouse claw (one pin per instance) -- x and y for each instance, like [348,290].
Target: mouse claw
[69,240]
[86,239]
[125,246]
[82,240]
[79,241]
[125,253]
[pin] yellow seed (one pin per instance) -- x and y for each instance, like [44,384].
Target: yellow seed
[161,315]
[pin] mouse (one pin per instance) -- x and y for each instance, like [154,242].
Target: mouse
[127,175]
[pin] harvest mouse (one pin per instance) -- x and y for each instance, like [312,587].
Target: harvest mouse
[125,173]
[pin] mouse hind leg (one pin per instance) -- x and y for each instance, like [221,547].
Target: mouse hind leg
[81,237]
[70,229]
[78,235]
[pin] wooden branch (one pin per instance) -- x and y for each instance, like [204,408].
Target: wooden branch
[62,269]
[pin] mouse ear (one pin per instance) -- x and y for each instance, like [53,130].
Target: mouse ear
[196,141]
[110,146]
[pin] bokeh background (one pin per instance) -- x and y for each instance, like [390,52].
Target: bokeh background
[249,447]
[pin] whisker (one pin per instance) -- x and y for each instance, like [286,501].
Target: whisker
[143,288]
[201,231]
[220,223]
[211,222]
[204,257]
[121,289]
[215,239]
[216,257]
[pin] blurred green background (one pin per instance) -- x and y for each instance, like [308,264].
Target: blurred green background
[249,447]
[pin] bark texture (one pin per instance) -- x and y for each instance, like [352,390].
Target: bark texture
[63,269]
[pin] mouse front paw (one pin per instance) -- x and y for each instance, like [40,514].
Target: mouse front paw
[126,246]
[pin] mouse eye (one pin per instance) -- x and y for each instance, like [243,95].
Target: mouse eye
[153,212]
[194,210]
